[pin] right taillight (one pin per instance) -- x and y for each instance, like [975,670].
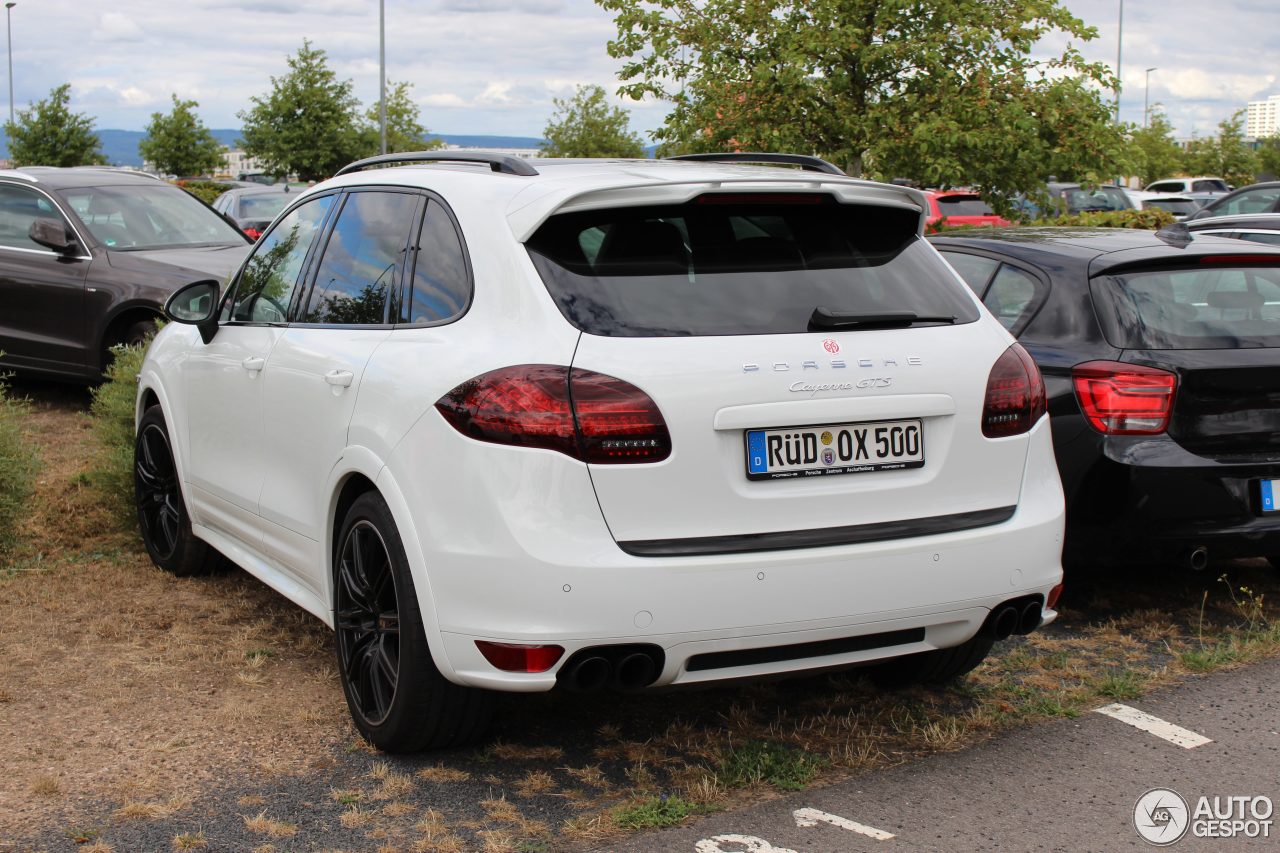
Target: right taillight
[1124,399]
[1015,397]
[587,415]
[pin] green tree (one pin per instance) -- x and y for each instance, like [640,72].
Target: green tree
[944,91]
[404,127]
[49,134]
[1269,157]
[179,143]
[1226,155]
[1155,153]
[586,126]
[308,124]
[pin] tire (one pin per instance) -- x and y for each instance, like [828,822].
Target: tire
[162,515]
[398,700]
[937,666]
[137,333]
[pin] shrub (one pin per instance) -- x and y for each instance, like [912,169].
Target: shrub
[18,464]
[113,414]
[206,191]
[1147,219]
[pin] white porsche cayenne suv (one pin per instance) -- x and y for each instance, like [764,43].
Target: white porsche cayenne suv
[510,425]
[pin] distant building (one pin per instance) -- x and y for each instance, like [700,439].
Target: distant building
[235,162]
[1263,118]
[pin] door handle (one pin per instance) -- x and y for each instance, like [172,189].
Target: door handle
[254,363]
[339,378]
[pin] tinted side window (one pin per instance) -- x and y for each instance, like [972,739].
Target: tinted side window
[1271,237]
[441,285]
[360,268]
[266,286]
[20,207]
[1012,296]
[1254,201]
[974,269]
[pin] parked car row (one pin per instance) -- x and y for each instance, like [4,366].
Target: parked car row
[508,426]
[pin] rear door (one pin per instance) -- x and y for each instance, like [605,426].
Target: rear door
[785,430]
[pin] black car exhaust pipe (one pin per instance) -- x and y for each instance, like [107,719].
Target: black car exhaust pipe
[1030,617]
[588,674]
[1004,621]
[635,671]
[1198,558]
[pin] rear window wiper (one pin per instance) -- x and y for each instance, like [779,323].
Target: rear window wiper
[825,318]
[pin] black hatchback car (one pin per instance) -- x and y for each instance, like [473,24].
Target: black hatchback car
[88,257]
[1161,359]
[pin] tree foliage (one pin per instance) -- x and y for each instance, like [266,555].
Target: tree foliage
[1269,158]
[1226,155]
[49,134]
[1155,153]
[945,92]
[308,124]
[404,127]
[179,143]
[586,126]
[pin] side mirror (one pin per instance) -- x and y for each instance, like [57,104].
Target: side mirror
[195,304]
[52,234]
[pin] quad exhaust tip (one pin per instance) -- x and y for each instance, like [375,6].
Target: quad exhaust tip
[1018,616]
[1198,558]
[623,668]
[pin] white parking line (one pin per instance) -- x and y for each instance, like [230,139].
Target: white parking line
[812,817]
[1154,725]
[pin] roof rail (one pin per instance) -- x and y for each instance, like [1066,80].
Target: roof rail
[804,161]
[503,163]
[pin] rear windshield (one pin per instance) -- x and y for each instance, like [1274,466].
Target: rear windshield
[1102,198]
[1211,307]
[1178,206]
[264,206]
[724,266]
[961,205]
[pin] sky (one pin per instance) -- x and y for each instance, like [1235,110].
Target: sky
[495,66]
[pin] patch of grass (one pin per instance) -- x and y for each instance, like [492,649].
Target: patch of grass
[18,464]
[1122,684]
[654,812]
[782,766]
[113,407]
[190,841]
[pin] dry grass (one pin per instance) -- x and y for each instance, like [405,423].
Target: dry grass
[442,775]
[190,841]
[268,826]
[134,810]
[535,782]
[524,752]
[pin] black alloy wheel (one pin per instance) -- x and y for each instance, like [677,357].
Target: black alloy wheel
[398,699]
[367,619]
[162,515]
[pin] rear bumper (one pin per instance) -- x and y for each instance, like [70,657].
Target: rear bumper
[554,574]
[1150,499]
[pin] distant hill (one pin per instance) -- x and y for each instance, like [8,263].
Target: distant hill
[121,146]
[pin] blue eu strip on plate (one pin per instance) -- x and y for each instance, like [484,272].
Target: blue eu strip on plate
[757,460]
[1268,496]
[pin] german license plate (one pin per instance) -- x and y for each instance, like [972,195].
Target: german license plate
[819,451]
[1269,491]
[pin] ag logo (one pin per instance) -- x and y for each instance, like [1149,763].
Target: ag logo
[1161,816]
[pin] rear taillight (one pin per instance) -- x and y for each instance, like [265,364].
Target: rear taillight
[252,233]
[583,414]
[1124,399]
[1015,395]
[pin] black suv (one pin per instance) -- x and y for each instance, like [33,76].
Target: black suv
[88,257]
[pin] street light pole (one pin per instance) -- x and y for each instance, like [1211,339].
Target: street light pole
[1119,47]
[8,19]
[1146,98]
[382,73]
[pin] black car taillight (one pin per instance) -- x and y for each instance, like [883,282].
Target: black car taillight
[1124,399]
[1015,397]
[589,416]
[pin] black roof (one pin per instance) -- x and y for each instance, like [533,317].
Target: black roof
[1098,249]
[1259,221]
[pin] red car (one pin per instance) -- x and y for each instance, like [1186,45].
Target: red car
[959,208]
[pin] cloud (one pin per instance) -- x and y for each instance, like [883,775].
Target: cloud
[527,7]
[115,27]
[443,100]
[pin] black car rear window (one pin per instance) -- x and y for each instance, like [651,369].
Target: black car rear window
[1204,307]
[964,205]
[720,265]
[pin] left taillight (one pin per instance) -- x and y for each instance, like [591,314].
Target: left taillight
[587,415]
[1015,397]
[1124,399]
[252,233]
[519,657]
